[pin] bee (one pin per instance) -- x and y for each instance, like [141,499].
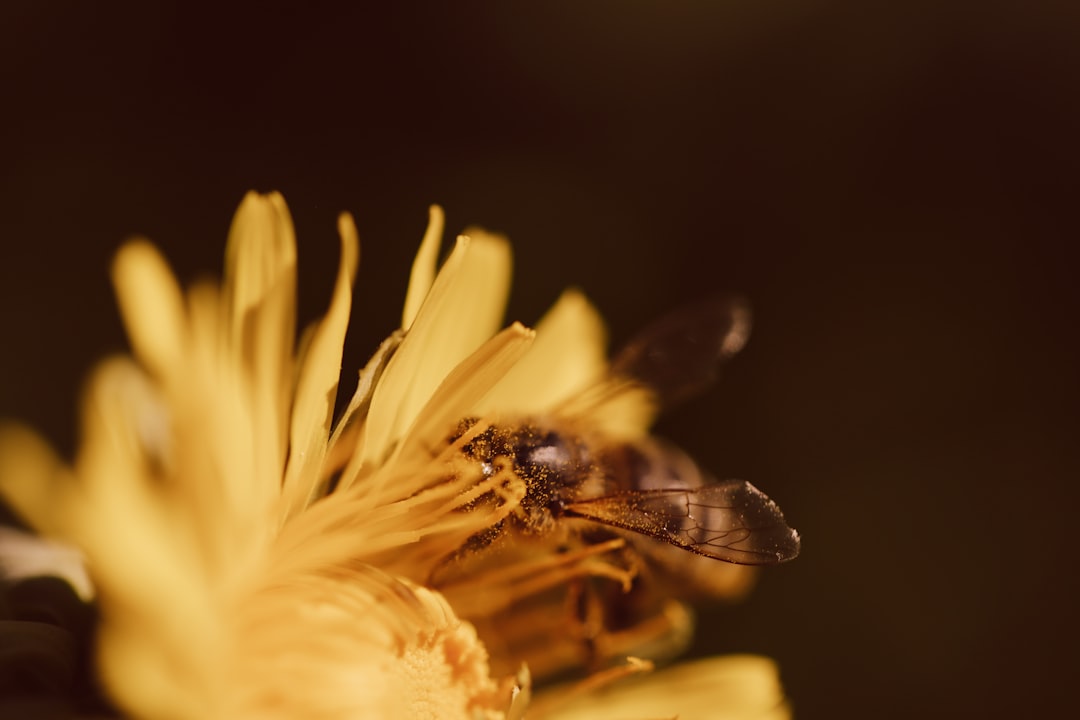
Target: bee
[614,529]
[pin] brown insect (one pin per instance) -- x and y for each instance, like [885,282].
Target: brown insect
[612,528]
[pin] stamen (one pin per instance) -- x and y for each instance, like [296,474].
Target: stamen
[495,590]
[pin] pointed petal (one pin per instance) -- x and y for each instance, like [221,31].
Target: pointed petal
[464,388]
[423,269]
[316,389]
[260,297]
[568,355]
[455,398]
[463,309]
[344,441]
[260,255]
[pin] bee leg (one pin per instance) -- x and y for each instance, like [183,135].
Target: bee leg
[586,619]
[592,604]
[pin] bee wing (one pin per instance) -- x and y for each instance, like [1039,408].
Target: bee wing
[731,520]
[674,358]
[679,355]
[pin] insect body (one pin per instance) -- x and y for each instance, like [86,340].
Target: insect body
[611,527]
[645,488]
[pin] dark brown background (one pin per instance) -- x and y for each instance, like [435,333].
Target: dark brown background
[892,187]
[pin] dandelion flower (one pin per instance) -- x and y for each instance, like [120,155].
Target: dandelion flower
[253,558]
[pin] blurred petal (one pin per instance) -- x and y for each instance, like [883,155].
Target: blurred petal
[34,480]
[360,644]
[150,545]
[151,305]
[219,456]
[737,687]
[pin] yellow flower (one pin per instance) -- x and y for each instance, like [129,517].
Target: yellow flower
[253,559]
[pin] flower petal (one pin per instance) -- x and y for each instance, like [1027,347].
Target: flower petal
[734,687]
[260,299]
[423,269]
[151,306]
[455,398]
[34,481]
[316,389]
[260,256]
[463,309]
[356,643]
[465,387]
[568,355]
[155,544]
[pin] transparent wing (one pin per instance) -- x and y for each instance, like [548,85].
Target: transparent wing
[674,358]
[679,355]
[731,520]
